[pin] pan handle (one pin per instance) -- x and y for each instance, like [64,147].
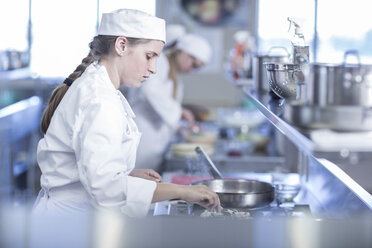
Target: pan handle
[213,169]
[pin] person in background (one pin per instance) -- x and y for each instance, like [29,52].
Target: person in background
[174,32]
[88,152]
[158,103]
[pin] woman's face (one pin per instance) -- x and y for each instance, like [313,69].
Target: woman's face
[139,61]
[187,63]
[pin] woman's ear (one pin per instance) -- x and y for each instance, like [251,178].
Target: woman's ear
[121,45]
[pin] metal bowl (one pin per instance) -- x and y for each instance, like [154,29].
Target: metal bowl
[241,193]
[286,192]
[283,79]
[274,55]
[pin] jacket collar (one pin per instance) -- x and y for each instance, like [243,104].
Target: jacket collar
[126,105]
[102,72]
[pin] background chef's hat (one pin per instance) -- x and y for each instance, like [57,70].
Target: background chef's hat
[195,46]
[174,32]
[132,23]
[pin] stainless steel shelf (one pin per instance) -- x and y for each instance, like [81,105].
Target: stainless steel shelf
[323,165]
[304,143]
[15,74]
[273,109]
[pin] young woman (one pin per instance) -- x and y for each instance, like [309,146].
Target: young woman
[158,103]
[88,152]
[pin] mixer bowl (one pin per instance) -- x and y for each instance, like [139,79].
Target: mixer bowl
[283,79]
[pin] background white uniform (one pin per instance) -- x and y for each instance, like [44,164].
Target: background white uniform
[158,114]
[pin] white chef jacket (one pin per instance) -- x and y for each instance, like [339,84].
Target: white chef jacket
[157,114]
[89,150]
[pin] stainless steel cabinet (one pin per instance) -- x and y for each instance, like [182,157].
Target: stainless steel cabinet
[19,133]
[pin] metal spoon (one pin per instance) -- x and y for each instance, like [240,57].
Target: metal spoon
[213,169]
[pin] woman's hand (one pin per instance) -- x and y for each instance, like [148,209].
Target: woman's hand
[146,174]
[202,195]
[199,194]
[188,116]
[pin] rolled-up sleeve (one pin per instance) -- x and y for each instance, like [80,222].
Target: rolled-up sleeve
[103,148]
[139,191]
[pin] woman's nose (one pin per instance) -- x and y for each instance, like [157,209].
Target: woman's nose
[152,68]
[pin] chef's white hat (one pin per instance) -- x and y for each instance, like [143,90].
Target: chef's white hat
[174,32]
[196,46]
[132,23]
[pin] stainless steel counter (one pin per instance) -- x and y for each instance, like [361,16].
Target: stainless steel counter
[332,190]
[19,229]
[273,109]
[327,187]
[19,134]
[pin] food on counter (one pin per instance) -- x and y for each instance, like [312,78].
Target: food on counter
[202,133]
[210,213]
[202,137]
[260,141]
[234,153]
[238,117]
[201,113]
[237,148]
[188,149]
[238,214]
[230,212]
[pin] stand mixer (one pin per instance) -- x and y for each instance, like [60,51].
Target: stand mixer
[288,80]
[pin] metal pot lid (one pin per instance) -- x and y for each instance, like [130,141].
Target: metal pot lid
[266,56]
[281,67]
[271,54]
[340,65]
[324,64]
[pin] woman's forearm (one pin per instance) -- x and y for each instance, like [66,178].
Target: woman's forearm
[165,191]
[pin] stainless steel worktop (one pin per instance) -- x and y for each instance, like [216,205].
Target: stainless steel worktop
[329,174]
[273,110]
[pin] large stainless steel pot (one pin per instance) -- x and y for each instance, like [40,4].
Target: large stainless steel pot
[259,71]
[241,193]
[237,193]
[340,84]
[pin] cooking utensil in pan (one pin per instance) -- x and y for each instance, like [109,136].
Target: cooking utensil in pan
[237,193]
[213,169]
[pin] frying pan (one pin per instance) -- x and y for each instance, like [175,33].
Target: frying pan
[237,193]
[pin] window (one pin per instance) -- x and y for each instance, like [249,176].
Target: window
[341,25]
[273,24]
[14,24]
[62,31]
[344,25]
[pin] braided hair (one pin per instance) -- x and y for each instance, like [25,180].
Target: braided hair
[100,46]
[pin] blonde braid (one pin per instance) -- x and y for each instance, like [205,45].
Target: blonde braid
[99,47]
